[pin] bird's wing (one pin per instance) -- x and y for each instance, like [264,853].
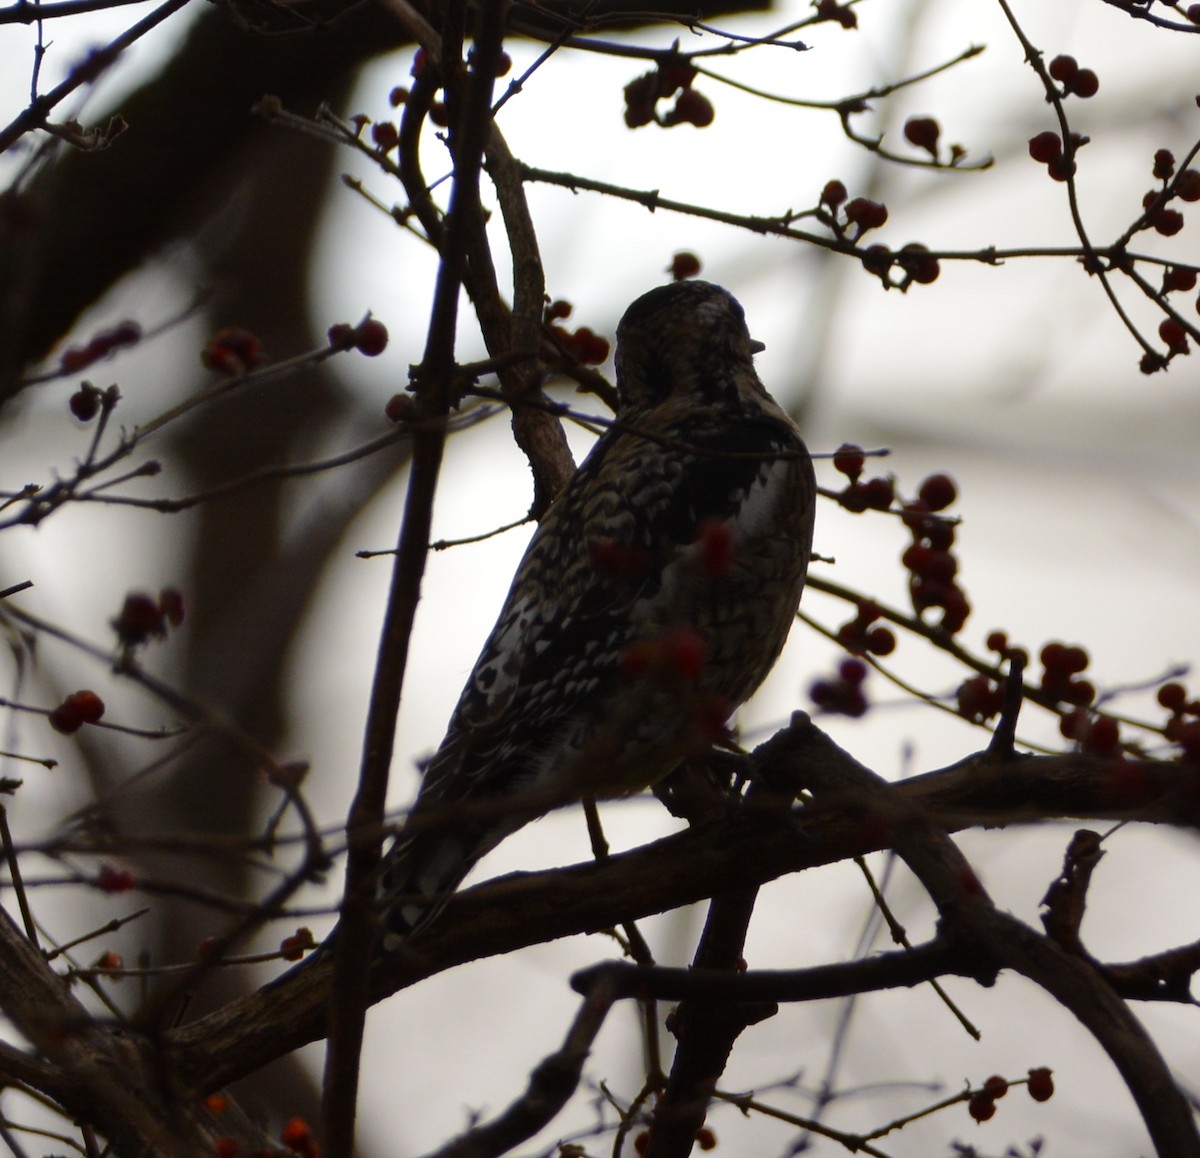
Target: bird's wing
[593,577]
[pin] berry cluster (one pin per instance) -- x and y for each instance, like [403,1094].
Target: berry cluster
[143,617]
[583,344]
[1184,186]
[979,699]
[369,337]
[1075,81]
[931,565]
[294,946]
[674,74]
[982,1103]
[858,635]
[849,217]
[1061,667]
[874,494]
[844,694]
[233,351]
[79,708]
[706,1140]
[1047,149]
[914,260]
[101,345]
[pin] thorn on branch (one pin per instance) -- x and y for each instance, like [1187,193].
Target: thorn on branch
[1003,740]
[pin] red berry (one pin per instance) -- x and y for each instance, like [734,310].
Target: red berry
[1164,163]
[981,1107]
[1193,13]
[88,706]
[1168,222]
[675,74]
[1187,185]
[879,493]
[854,498]
[503,64]
[684,265]
[65,718]
[400,408]
[1063,68]
[1173,697]
[881,641]
[1061,169]
[233,351]
[1174,335]
[640,95]
[85,402]
[170,603]
[371,337]
[1045,147]
[979,699]
[866,214]
[938,492]
[996,1086]
[226,1147]
[1041,1085]
[1103,736]
[114,879]
[385,135]
[877,259]
[141,617]
[923,132]
[918,264]
[398,96]
[691,107]
[834,194]
[1084,84]
[849,460]
[341,336]
[997,641]
[1179,277]
[1072,725]
[956,610]
[706,1139]
[297,1135]
[1080,692]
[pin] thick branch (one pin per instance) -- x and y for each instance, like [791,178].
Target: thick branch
[523,909]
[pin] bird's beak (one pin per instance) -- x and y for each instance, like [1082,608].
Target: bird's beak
[757,347]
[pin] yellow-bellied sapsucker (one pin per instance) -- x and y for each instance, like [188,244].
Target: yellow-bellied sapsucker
[653,599]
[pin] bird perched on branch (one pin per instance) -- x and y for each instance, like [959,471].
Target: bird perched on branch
[653,599]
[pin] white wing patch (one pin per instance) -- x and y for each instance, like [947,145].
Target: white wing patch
[759,510]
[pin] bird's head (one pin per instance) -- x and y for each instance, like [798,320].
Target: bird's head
[687,337]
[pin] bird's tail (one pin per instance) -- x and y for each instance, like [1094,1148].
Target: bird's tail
[418,876]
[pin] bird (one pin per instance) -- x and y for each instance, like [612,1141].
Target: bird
[653,598]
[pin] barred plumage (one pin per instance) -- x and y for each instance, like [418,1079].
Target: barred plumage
[653,599]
